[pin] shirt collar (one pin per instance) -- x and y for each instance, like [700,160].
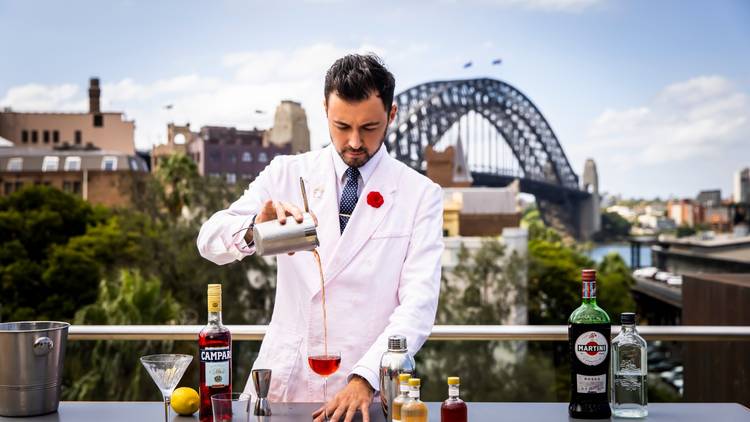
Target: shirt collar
[365,171]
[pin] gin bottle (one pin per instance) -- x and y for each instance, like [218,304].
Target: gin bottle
[630,387]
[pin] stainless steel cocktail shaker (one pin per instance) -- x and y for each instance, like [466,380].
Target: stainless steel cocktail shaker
[395,361]
[273,238]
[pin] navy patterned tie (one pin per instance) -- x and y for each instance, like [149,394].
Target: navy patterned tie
[348,197]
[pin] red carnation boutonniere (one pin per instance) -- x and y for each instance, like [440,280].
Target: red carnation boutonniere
[374,199]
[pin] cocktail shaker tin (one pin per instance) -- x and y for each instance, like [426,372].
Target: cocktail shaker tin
[395,361]
[273,238]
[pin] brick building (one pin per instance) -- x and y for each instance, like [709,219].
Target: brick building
[48,129]
[101,177]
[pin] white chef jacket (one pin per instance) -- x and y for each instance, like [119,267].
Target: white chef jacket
[382,274]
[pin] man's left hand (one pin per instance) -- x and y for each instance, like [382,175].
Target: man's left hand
[357,395]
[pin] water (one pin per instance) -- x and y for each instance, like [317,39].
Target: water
[630,391]
[602,250]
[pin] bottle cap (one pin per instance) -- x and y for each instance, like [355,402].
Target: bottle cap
[588,275]
[404,378]
[214,298]
[396,343]
[627,318]
[454,381]
[414,382]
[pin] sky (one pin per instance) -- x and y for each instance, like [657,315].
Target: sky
[656,92]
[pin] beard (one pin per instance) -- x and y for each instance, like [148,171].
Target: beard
[363,154]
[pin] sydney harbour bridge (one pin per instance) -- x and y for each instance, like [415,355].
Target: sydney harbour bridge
[504,137]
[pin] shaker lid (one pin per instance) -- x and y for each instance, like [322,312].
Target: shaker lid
[397,343]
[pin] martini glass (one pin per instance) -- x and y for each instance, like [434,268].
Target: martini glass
[325,365]
[166,371]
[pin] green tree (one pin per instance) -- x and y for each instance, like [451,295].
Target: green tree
[110,370]
[614,227]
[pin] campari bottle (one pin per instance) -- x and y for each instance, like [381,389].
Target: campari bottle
[589,345]
[215,349]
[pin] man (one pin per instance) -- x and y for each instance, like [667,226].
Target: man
[380,232]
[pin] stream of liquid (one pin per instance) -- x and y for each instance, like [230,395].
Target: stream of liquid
[323,292]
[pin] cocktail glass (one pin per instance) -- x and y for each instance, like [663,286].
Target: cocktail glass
[166,371]
[325,365]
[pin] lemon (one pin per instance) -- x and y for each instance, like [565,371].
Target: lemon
[185,401]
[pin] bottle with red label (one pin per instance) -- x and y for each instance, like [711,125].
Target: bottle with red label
[589,344]
[215,350]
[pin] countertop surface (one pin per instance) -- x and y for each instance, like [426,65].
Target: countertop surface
[478,412]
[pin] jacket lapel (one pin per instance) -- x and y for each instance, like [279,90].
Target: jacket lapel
[365,218]
[322,197]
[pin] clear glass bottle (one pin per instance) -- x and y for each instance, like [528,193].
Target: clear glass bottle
[414,410]
[403,397]
[630,371]
[453,409]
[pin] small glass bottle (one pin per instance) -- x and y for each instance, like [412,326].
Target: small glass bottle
[403,397]
[453,409]
[414,410]
[630,380]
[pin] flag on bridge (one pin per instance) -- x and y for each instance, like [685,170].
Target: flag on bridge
[467,64]
[496,61]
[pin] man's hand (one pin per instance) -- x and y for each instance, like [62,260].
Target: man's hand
[357,395]
[277,210]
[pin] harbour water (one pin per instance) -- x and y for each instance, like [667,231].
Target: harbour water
[602,250]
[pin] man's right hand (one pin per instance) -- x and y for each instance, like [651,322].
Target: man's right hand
[277,210]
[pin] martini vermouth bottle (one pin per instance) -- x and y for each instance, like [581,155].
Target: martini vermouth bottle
[589,344]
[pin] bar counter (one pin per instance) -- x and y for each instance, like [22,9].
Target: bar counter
[478,412]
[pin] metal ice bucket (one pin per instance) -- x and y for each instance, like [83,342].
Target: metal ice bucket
[31,365]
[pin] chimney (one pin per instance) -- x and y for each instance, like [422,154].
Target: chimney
[94,93]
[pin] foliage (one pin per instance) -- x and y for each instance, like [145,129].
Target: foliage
[614,227]
[110,369]
[38,278]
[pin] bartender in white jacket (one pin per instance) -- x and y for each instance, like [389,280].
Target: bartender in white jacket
[380,232]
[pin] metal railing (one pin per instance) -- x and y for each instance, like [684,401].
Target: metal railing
[439,332]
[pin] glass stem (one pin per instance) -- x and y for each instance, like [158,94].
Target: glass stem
[166,408]
[325,398]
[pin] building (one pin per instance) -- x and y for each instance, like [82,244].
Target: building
[236,154]
[709,198]
[290,127]
[741,186]
[108,178]
[232,153]
[109,131]
[685,212]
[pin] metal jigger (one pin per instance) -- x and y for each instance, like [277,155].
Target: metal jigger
[262,381]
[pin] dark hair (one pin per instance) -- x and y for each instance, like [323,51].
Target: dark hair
[354,77]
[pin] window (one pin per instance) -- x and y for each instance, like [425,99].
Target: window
[109,163]
[198,157]
[215,156]
[73,164]
[98,120]
[15,164]
[79,138]
[133,164]
[232,157]
[231,178]
[72,186]
[262,157]
[247,157]
[25,136]
[8,188]
[34,138]
[51,163]
[46,137]
[56,137]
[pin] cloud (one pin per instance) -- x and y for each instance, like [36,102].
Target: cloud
[698,118]
[567,6]
[35,97]
[251,80]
